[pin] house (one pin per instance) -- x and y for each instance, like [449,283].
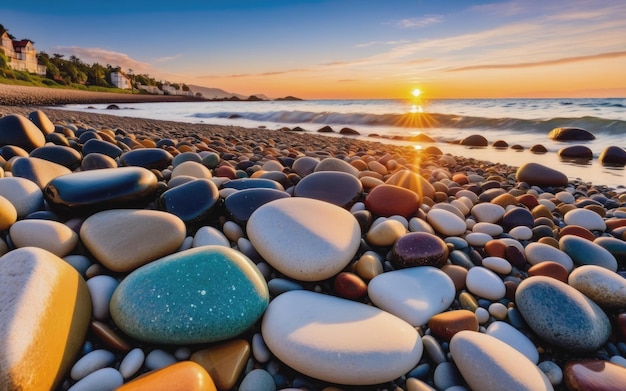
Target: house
[120,80]
[22,54]
[150,89]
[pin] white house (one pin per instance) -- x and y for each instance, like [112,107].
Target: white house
[120,80]
[22,55]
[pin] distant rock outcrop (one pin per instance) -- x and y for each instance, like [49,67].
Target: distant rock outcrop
[570,134]
[288,98]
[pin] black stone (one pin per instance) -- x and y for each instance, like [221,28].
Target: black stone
[517,217]
[252,183]
[63,155]
[538,148]
[475,140]
[570,134]
[97,161]
[193,201]
[241,204]
[338,188]
[88,135]
[186,157]
[576,152]
[349,132]
[150,158]
[103,147]
[613,156]
[325,129]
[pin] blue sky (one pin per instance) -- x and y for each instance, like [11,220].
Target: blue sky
[345,48]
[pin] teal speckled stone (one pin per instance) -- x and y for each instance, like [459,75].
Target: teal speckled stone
[204,294]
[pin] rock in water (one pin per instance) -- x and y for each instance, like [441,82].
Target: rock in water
[339,340]
[18,130]
[475,140]
[45,307]
[303,238]
[561,315]
[487,363]
[540,175]
[570,134]
[205,294]
[613,156]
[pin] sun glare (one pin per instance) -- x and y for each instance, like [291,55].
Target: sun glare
[417,92]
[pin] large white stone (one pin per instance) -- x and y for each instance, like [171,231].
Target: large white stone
[541,252]
[338,340]
[446,222]
[604,287]
[414,294]
[585,218]
[514,338]
[485,283]
[486,364]
[24,194]
[304,238]
[487,213]
[49,235]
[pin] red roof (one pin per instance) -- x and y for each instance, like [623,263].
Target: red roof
[21,44]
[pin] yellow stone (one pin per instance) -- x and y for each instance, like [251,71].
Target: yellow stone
[8,214]
[45,307]
[182,376]
[368,267]
[505,200]
[224,362]
[541,211]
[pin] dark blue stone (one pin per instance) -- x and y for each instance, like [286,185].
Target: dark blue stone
[252,183]
[186,157]
[10,151]
[101,146]
[88,135]
[63,155]
[517,217]
[165,142]
[90,191]
[243,203]
[18,130]
[150,158]
[97,161]
[335,187]
[192,201]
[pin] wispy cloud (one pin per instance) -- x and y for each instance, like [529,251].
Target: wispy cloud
[103,56]
[373,43]
[508,8]
[168,58]
[560,61]
[421,22]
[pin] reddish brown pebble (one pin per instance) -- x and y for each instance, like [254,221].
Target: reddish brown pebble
[596,375]
[621,323]
[549,241]
[564,208]
[419,249]
[109,337]
[528,200]
[496,248]
[349,286]
[612,224]
[446,324]
[226,171]
[515,257]
[457,274]
[577,230]
[388,200]
[597,209]
[504,200]
[510,289]
[549,269]
[461,179]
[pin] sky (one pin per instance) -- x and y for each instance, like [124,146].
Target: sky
[345,49]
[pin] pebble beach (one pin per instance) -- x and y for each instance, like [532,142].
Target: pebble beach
[152,255]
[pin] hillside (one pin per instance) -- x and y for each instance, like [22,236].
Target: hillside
[214,93]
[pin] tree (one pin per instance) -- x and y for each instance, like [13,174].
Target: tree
[6,30]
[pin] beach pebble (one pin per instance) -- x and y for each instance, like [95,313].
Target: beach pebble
[204,294]
[15,129]
[304,165]
[593,375]
[570,134]
[192,202]
[613,156]
[124,239]
[150,158]
[490,229]
[413,294]
[101,289]
[338,188]
[514,338]
[241,204]
[584,252]
[252,183]
[258,380]
[338,340]
[498,310]
[585,218]
[445,222]
[549,269]
[521,233]
[91,362]
[477,239]
[433,348]
[207,235]
[349,286]
[486,364]
[43,299]
[104,379]
[305,239]
[388,200]
[444,325]
[484,283]
[8,214]
[540,175]
[132,362]
[158,358]
[260,350]
[37,170]
[224,362]
[63,155]
[385,233]
[539,252]
[192,169]
[419,249]
[185,375]
[446,375]
[604,287]
[52,236]
[23,194]
[553,372]
[101,147]
[548,306]
[334,164]
[412,181]
[497,264]
[487,213]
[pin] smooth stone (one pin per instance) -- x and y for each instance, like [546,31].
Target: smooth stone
[224,362]
[604,287]
[412,181]
[585,218]
[109,337]
[44,301]
[97,161]
[388,200]
[486,364]
[576,152]
[475,140]
[549,269]
[338,188]
[277,286]
[124,239]
[193,169]
[334,164]
[385,233]
[368,266]
[204,294]
[17,130]
[570,134]
[104,379]
[243,203]
[540,175]
[521,233]
[413,294]
[446,376]
[52,236]
[192,202]
[457,274]
[91,362]
[338,340]
[553,372]
[159,358]
[65,156]
[101,289]
[304,165]
[445,222]
[517,217]
[41,120]
[25,196]
[594,375]
[258,380]
[150,158]
[303,238]
[584,252]
[184,375]
[497,265]
[560,314]
[577,231]
[613,156]
[349,286]
[207,235]
[8,214]
[446,324]
[487,212]
[539,252]
[419,249]
[186,156]
[252,183]
[514,338]
[615,246]
[485,283]
[102,147]
[433,349]
[260,350]
[90,191]
[37,170]
[490,229]
[477,239]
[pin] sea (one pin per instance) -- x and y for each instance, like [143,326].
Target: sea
[522,122]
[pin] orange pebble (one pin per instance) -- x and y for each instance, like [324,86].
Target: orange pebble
[577,230]
[182,376]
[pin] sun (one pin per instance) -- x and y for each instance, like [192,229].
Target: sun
[416,92]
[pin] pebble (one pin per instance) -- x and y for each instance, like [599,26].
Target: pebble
[104,379]
[538,174]
[260,350]
[224,362]
[388,200]
[37,170]
[584,252]
[445,222]
[585,218]
[192,202]
[487,213]
[159,358]
[258,380]
[91,362]
[101,289]
[52,236]
[204,294]
[305,239]
[553,372]
[514,338]
[185,375]
[539,252]
[132,362]
[497,264]
[385,233]
[446,324]
[207,236]
[17,130]
[604,287]
[419,249]
[338,340]
[548,306]
[241,204]
[486,363]
[338,188]
[593,375]
[484,283]
[23,194]
[413,294]
[490,229]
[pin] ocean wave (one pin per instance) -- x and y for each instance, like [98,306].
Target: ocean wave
[426,121]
